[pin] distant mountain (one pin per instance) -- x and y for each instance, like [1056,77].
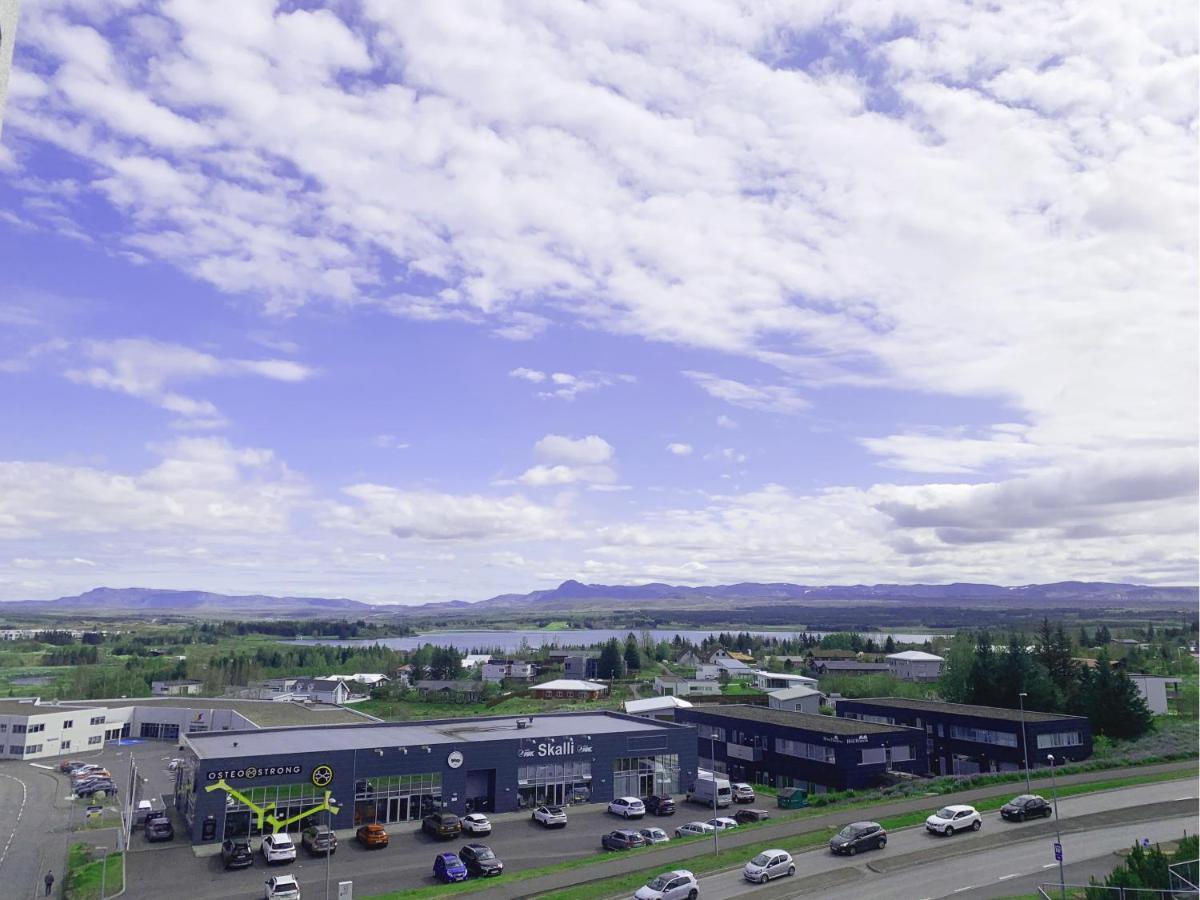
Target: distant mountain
[110,601]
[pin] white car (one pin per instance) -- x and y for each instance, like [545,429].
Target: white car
[742,792]
[692,828]
[767,865]
[723,823]
[950,819]
[628,807]
[279,848]
[551,816]
[476,823]
[654,835]
[678,885]
[282,887]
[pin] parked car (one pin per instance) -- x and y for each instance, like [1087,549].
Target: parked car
[480,860]
[742,792]
[476,823]
[858,836]
[372,836]
[723,823]
[767,865]
[654,835]
[746,816]
[660,805]
[622,840]
[155,815]
[677,885]
[693,828]
[278,848]
[956,817]
[448,867]
[442,825]
[627,807]
[791,798]
[551,816]
[282,887]
[1026,806]
[70,765]
[236,853]
[96,787]
[159,830]
[319,840]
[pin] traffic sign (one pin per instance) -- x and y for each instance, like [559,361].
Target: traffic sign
[1058,852]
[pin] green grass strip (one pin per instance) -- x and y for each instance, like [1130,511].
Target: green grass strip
[734,856]
[84,874]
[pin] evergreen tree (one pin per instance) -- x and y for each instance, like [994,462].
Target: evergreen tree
[889,646]
[633,656]
[1019,671]
[612,660]
[955,680]
[1085,639]
[984,679]
[1111,701]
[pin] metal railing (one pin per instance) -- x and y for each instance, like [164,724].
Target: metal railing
[1185,876]
[1055,891]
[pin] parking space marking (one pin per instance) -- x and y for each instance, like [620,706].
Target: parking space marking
[40,766]
[17,820]
[1006,877]
[961,889]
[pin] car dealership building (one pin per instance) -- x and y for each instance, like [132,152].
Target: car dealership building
[235,783]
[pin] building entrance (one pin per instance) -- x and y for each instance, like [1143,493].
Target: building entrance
[557,784]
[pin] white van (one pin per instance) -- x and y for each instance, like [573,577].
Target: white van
[707,787]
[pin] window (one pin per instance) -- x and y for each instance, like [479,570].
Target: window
[95,739]
[69,723]
[870,717]
[19,729]
[818,752]
[97,720]
[901,753]
[710,732]
[3,727]
[34,729]
[872,756]
[1059,739]
[65,745]
[33,748]
[16,749]
[983,736]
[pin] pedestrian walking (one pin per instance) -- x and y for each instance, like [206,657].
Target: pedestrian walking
[49,879]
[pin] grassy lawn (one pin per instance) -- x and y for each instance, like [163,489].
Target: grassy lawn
[739,689]
[84,874]
[401,710]
[735,856]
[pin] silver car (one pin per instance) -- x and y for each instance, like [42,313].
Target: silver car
[767,865]
[678,885]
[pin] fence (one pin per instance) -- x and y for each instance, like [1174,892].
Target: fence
[1185,876]
[1053,891]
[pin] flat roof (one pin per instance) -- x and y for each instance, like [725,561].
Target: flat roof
[264,713]
[15,707]
[569,684]
[223,744]
[961,709]
[806,721]
[793,692]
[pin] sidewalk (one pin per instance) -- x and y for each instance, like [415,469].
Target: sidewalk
[673,855]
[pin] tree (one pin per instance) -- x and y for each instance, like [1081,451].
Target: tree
[1103,636]
[633,656]
[1085,639]
[1019,671]
[954,683]
[984,680]
[889,646]
[1112,702]
[612,661]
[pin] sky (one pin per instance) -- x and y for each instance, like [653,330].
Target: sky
[435,301]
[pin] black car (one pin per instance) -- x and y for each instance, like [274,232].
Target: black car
[660,805]
[750,815]
[1026,806]
[319,840]
[96,787]
[622,840]
[160,830]
[442,826]
[480,860]
[859,836]
[236,854]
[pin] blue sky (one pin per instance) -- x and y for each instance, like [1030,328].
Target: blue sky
[476,299]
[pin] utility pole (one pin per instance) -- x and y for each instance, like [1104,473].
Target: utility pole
[712,749]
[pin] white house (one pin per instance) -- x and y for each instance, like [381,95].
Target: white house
[796,699]
[1156,689]
[496,670]
[471,660]
[322,690]
[175,688]
[708,672]
[734,668]
[661,709]
[915,665]
[771,681]
[677,686]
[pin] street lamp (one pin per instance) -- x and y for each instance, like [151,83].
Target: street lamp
[1062,880]
[1024,739]
[329,806]
[712,751]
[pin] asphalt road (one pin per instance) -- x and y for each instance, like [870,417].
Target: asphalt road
[956,872]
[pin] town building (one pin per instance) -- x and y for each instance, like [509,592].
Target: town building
[497,670]
[678,686]
[915,665]
[581,665]
[236,784]
[848,667]
[450,691]
[568,689]
[690,659]
[474,660]
[771,681]
[963,739]
[321,690]
[796,699]
[1161,692]
[733,668]
[706,672]
[660,708]
[817,753]
[181,688]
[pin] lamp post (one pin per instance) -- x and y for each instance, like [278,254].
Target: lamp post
[712,750]
[1062,880]
[1024,739]
[329,806]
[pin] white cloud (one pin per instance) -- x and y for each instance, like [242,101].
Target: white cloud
[584,460]
[727,423]
[144,368]
[390,442]
[528,374]
[958,451]
[590,450]
[679,449]
[764,398]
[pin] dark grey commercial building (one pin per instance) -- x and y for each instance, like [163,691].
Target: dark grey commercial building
[782,748]
[235,783]
[961,739]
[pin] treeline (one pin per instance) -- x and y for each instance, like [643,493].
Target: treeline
[332,628]
[1051,676]
[72,656]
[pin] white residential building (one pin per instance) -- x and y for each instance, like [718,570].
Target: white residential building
[771,681]
[496,670]
[678,686]
[796,699]
[1156,689]
[175,688]
[708,672]
[661,709]
[915,665]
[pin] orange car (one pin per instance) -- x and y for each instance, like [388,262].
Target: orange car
[372,836]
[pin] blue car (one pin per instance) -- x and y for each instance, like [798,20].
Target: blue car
[448,867]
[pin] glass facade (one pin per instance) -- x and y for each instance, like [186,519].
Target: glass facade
[288,800]
[396,798]
[641,776]
[556,783]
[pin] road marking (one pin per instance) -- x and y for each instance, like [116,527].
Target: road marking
[1006,877]
[961,889]
[1050,865]
[17,820]
[1184,798]
[40,766]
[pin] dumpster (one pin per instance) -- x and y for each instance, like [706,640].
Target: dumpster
[792,798]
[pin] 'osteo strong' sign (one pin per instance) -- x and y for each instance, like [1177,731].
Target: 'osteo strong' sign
[548,748]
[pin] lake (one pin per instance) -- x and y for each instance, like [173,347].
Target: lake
[506,641]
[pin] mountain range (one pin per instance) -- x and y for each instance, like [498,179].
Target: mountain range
[574,595]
